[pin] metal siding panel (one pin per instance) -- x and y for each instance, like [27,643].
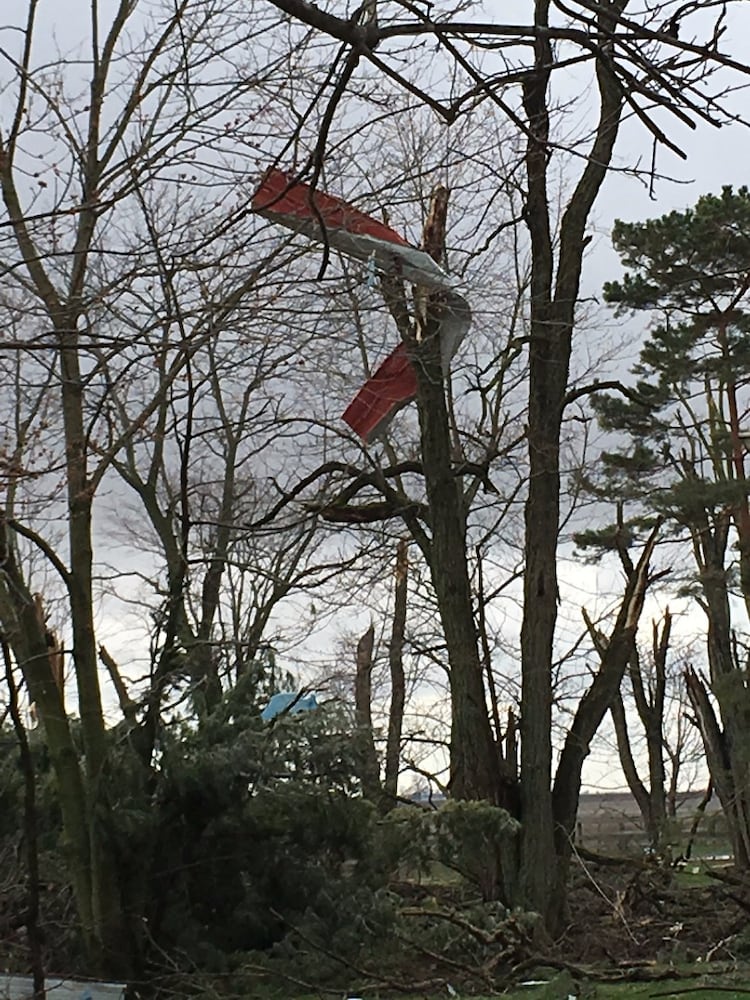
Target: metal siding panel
[22,988]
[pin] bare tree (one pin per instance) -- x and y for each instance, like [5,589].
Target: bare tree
[641,66]
[658,694]
[117,174]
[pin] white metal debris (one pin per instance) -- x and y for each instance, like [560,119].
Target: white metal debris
[58,988]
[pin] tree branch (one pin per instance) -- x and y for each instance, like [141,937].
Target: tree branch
[40,543]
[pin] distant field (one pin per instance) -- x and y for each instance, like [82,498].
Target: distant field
[609,823]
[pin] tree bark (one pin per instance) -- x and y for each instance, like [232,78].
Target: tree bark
[398,681]
[615,654]
[720,768]
[725,744]
[29,828]
[637,789]
[370,775]
[107,904]
[552,307]
[25,635]
[651,800]
[473,757]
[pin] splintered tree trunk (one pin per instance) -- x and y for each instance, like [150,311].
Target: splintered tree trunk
[370,773]
[650,706]
[398,681]
[474,770]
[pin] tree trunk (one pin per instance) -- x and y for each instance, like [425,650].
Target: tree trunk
[109,921]
[474,771]
[637,789]
[370,773]
[720,768]
[726,744]
[615,653]
[552,307]
[652,801]
[30,833]
[398,681]
[473,758]
[26,638]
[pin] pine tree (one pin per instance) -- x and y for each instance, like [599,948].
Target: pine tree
[684,455]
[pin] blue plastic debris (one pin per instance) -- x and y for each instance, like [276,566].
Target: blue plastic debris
[371,279]
[288,701]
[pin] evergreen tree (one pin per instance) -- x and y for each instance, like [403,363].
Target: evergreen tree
[686,432]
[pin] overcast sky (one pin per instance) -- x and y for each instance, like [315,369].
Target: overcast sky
[715,157]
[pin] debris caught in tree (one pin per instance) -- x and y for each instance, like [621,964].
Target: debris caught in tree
[334,223]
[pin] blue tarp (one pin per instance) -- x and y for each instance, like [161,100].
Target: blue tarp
[288,701]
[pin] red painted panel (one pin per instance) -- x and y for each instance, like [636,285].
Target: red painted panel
[392,386]
[279,194]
